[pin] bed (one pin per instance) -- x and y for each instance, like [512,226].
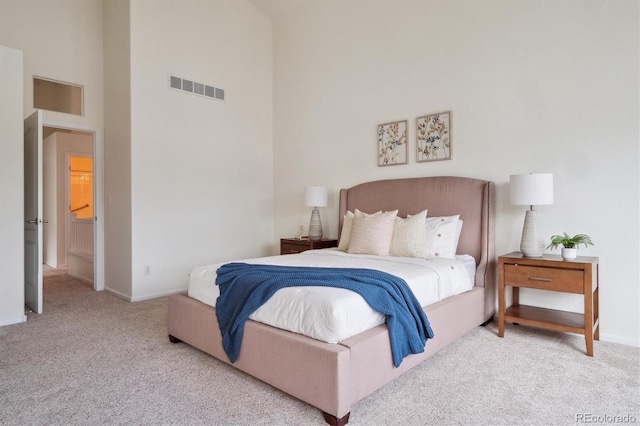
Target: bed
[334,376]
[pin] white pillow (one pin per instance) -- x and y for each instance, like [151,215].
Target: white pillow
[441,236]
[458,232]
[372,233]
[345,234]
[409,238]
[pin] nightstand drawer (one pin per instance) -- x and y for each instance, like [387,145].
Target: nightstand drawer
[286,248]
[292,245]
[564,280]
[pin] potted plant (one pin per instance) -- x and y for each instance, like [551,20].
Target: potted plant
[569,244]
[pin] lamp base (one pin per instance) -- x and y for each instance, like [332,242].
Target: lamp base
[315,226]
[531,244]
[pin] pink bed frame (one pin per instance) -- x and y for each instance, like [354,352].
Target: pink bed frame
[333,377]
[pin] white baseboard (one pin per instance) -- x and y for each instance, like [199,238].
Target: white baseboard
[18,320]
[81,268]
[81,278]
[145,297]
[118,294]
[156,295]
[619,339]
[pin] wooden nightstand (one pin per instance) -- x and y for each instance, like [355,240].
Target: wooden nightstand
[293,245]
[551,273]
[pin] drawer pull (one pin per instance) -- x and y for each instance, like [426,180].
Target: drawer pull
[547,280]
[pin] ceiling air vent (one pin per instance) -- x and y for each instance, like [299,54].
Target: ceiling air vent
[195,88]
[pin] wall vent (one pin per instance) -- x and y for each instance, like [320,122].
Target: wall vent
[195,88]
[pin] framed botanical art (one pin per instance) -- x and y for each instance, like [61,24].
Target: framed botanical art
[392,143]
[433,137]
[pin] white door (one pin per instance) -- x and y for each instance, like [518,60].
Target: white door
[33,221]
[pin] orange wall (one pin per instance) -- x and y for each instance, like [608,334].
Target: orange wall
[81,186]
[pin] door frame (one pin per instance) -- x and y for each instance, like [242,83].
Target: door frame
[98,197]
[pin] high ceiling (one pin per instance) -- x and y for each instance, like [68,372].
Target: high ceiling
[274,8]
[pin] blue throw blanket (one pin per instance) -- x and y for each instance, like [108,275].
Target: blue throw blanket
[245,287]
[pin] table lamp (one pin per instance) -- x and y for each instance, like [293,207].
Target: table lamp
[529,190]
[315,196]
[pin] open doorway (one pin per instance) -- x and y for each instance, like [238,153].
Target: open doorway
[68,203]
[80,221]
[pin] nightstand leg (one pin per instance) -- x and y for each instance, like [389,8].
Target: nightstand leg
[588,318]
[596,315]
[588,326]
[501,302]
[589,341]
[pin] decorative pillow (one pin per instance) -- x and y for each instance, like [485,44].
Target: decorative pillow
[372,233]
[441,236]
[345,234]
[409,238]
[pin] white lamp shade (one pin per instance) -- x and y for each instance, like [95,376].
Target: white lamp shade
[315,196]
[533,189]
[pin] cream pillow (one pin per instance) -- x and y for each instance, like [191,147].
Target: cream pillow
[441,236]
[345,234]
[372,233]
[409,238]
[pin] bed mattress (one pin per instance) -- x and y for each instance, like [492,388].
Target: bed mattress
[333,314]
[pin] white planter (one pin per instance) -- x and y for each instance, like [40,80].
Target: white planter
[569,253]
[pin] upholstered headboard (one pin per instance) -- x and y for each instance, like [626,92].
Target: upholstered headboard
[472,199]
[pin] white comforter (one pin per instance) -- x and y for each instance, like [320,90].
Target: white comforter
[335,314]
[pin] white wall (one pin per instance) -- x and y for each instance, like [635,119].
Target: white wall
[201,170]
[11,188]
[533,86]
[117,148]
[61,40]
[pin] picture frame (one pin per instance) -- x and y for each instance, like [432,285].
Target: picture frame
[433,137]
[392,143]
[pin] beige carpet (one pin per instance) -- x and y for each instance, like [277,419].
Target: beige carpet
[92,358]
